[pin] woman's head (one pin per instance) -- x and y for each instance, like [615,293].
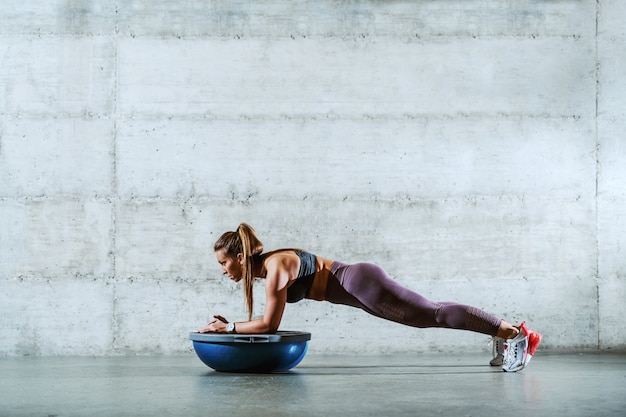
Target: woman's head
[236,253]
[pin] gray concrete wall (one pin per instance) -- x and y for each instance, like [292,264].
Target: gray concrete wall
[474,149]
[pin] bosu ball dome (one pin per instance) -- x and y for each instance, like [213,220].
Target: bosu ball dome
[254,353]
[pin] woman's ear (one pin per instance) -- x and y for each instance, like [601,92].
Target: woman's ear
[240,258]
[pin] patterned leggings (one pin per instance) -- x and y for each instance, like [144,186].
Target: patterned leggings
[368,287]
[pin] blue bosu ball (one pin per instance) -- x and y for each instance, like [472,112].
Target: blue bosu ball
[254,353]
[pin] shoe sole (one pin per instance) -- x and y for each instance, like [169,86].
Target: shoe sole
[534,340]
[498,362]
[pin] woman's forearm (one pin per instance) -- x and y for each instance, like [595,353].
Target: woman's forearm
[257,326]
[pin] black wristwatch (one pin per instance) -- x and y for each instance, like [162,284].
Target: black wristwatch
[231,328]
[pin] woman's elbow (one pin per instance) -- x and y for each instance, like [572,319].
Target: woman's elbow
[269,327]
[273,329]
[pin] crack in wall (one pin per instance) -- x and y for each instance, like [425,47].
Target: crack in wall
[114,185]
[597,179]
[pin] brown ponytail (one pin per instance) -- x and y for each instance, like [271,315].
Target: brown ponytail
[246,242]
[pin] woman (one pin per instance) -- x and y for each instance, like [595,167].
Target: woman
[293,274]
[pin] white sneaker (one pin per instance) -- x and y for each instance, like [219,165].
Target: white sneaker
[498,351]
[519,350]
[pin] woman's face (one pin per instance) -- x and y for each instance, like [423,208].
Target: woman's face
[230,266]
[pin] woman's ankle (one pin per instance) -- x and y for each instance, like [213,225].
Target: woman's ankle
[507,331]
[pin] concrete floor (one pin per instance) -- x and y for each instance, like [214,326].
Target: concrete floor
[587,384]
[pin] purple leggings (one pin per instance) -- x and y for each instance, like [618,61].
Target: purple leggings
[368,287]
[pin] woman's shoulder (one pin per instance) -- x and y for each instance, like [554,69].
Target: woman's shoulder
[284,252]
[280,255]
[285,260]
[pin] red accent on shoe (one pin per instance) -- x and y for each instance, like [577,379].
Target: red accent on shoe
[534,338]
[533,342]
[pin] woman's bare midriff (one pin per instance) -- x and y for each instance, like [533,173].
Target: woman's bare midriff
[320,281]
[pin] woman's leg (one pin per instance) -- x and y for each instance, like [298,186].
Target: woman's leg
[368,287]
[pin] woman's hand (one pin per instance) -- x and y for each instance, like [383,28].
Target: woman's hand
[219,325]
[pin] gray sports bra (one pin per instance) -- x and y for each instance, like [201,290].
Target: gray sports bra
[298,290]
